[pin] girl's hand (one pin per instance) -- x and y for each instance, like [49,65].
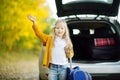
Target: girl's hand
[67,49]
[33,19]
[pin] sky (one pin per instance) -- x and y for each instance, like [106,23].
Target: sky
[52,8]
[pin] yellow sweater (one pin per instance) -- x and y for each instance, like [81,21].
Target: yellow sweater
[48,40]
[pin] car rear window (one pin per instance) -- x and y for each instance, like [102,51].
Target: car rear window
[98,29]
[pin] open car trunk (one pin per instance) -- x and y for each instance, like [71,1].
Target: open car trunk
[94,40]
[97,7]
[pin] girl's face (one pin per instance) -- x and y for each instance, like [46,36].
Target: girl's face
[59,29]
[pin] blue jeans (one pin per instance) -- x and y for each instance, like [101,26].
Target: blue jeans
[57,72]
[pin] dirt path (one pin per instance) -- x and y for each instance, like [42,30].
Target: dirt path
[22,70]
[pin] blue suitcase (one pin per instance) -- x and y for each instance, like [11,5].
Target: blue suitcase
[76,73]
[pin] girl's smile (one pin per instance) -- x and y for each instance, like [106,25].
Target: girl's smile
[59,30]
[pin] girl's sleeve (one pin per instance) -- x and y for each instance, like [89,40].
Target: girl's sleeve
[40,34]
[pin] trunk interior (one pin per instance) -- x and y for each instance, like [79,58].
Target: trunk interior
[94,40]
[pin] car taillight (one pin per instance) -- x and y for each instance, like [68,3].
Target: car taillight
[104,41]
[112,41]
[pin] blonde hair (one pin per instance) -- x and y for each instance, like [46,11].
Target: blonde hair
[66,34]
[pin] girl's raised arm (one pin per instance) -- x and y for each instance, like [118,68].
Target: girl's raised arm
[32,18]
[38,33]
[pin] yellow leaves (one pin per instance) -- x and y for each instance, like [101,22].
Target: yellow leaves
[26,34]
[16,28]
[42,12]
[42,1]
[28,44]
[39,2]
[38,47]
[8,43]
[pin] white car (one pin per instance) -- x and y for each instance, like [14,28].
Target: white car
[95,34]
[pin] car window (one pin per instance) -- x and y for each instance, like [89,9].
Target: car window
[77,31]
[96,1]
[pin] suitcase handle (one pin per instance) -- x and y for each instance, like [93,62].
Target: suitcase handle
[70,62]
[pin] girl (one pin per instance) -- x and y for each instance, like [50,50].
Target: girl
[58,49]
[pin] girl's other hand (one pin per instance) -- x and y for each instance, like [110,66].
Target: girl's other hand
[33,19]
[67,49]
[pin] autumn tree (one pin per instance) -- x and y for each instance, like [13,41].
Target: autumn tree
[16,31]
